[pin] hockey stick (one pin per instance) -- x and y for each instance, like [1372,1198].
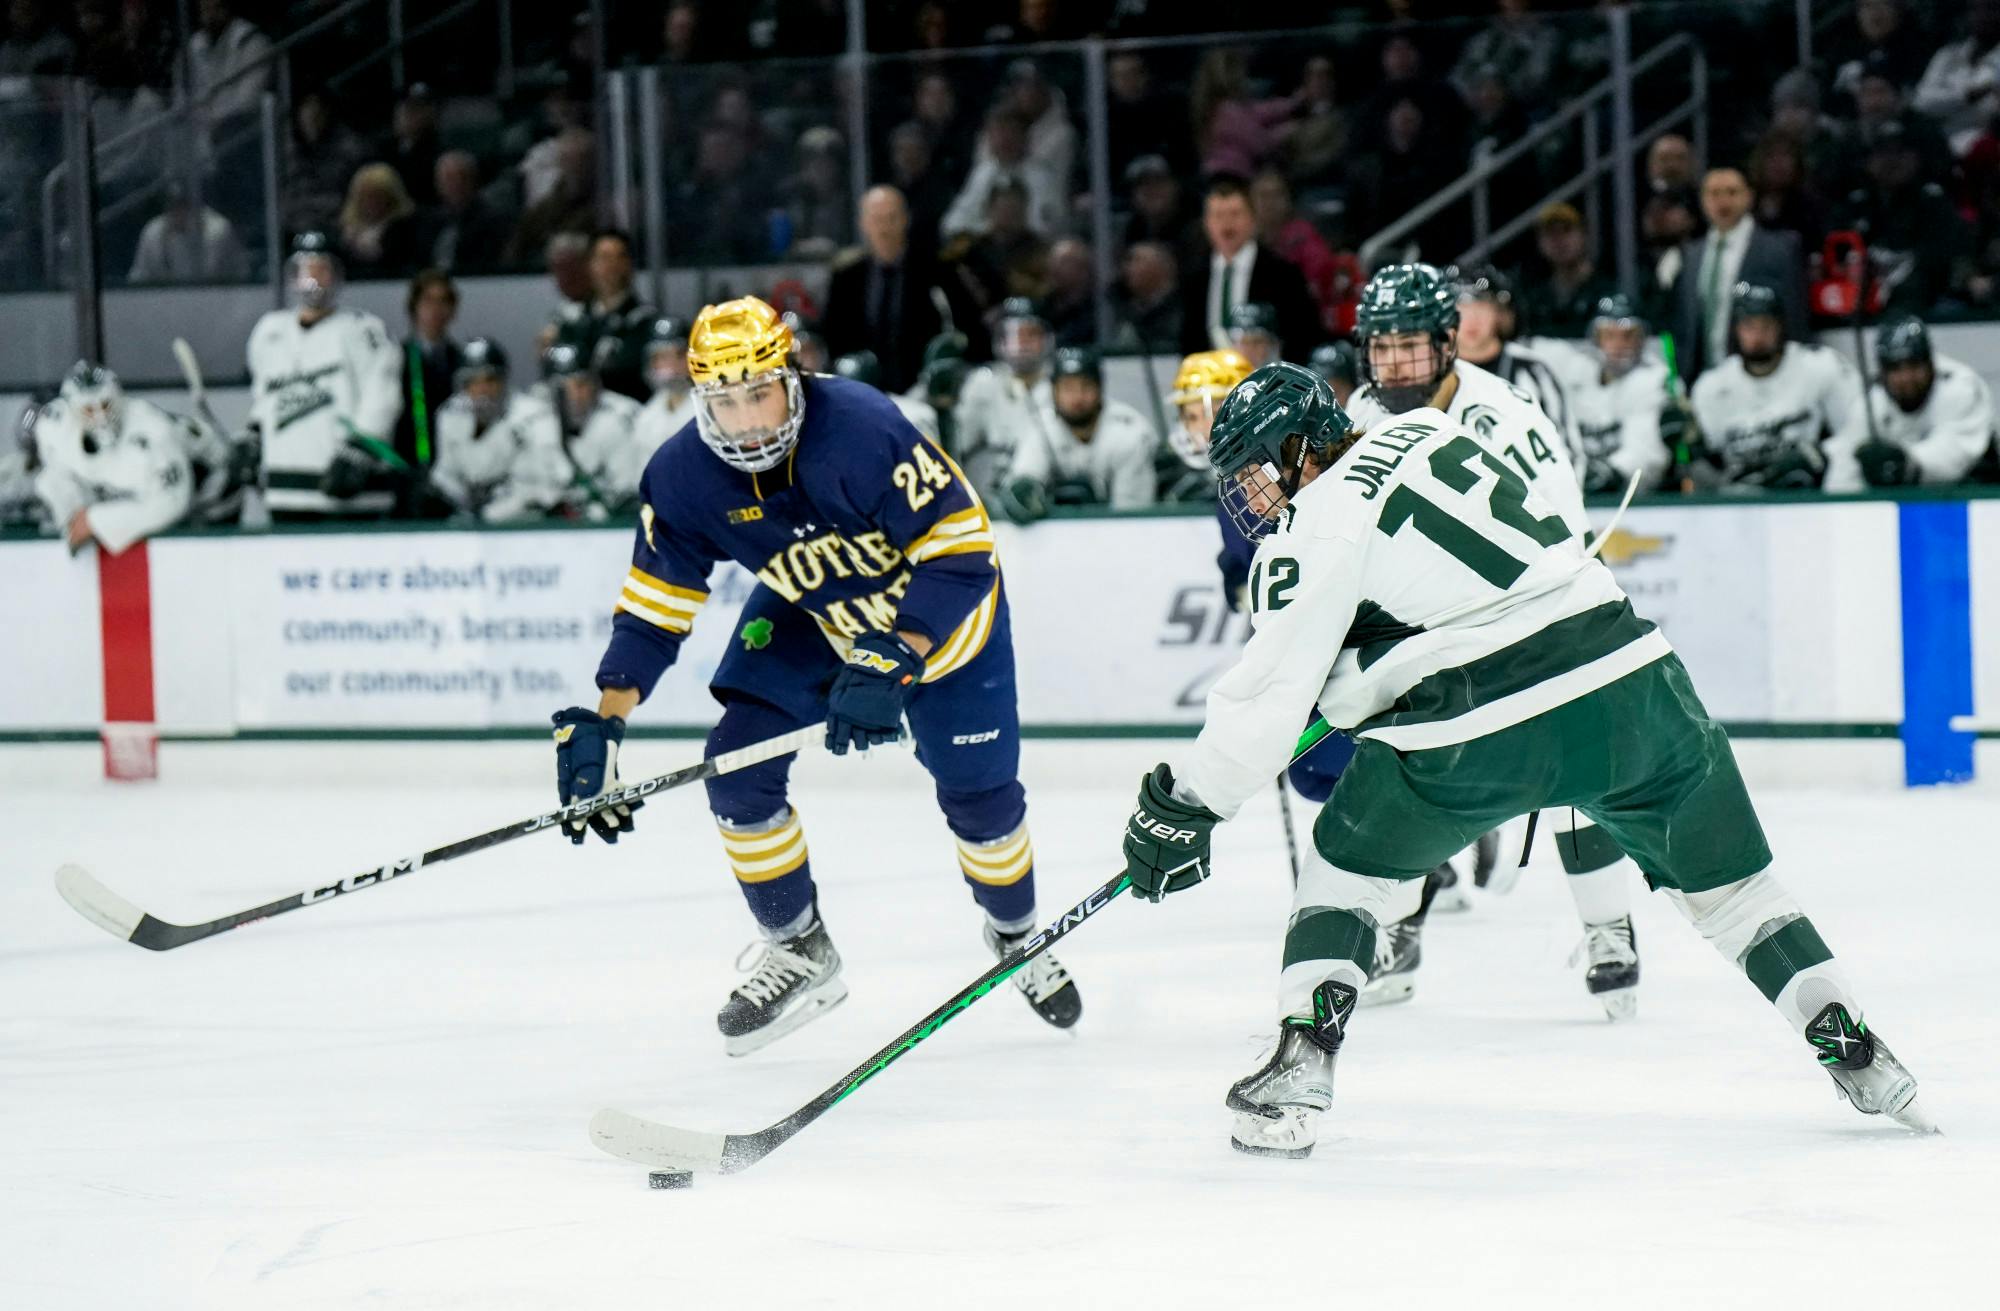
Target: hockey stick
[119,917]
[686,1151]
[1631,486]
[1291,834]
[197,389]
[664,1147]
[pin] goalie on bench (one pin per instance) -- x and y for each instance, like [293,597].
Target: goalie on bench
[878,596]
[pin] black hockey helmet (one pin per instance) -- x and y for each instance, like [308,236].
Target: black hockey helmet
[1754,300]
[1077,362]
[861,366]
[307,270]
[1021,336]
[1483,282]
[667,331]
[566,360]
[947,345]
[1902,340]
[1335,361]
[480,358]
[1620,309]
[1407,299]
[1268,426]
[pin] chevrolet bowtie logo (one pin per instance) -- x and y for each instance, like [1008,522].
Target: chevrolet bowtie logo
[1622,548]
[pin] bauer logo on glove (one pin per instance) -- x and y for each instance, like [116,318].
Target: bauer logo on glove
[1166,839]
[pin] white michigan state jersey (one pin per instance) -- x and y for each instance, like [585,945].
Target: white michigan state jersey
[495,472]
[1117,461]
[310,388]
[1618,427]
[995,408]
[661,417]
[1509,423]
[1946,436]
[595,472]
[1420,593]
[131,488]
[1747,422]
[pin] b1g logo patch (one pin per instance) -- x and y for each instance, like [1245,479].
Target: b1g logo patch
[748,514]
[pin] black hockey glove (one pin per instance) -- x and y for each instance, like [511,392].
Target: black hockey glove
[587,768]
[866,704]
[1024,500]
[1166,841]
[1885,464]
[360,462]
[1791,469]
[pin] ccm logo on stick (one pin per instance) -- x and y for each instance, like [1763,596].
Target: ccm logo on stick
[353,881]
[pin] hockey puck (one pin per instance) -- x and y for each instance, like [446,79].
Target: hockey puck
[669,1179]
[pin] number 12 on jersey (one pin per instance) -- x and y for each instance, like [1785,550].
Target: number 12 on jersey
[1452,464]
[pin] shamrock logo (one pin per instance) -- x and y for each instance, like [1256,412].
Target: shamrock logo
[756,634]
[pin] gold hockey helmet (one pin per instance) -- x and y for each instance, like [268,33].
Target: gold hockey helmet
[739,360]
[1204,379]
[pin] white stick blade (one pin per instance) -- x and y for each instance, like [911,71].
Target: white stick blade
[660,1146]
[97,903]
[190,366]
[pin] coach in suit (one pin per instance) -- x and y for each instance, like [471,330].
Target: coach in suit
[1238,271]
[880,297]
[1734,250]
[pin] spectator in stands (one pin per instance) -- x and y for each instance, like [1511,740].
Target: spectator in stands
[35,45]
[1051,139]
[324,155]
[567,260]
[1787,200]
[1009,258]
[1735,250]
[1236,270]
[1147,303]
[1003,160]
[1795,113]
[1140,118]
[819,209]
[1281,228]
[1408,166]
[716,214]
[1884,37]
[1670,165]
[226,61]
[612,332]
[1070,305]
[378,233]
[1320,132]
[1919,248]
[570,205]
[1563,301]
[880,297]
[1157,214]
[430,363]
[105,56]
[1404,78]
[1669,220]
[1035,20]
[461,232]
[1879,99]
[1493,115]
[1234,133]
[683,40]
[1519,46]
[924,188]
[931,27]
[413,141]
[1960,89]
[188,243]
[542,167]
[934,104]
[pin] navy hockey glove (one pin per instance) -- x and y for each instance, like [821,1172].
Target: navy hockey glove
[1166,841]
[587,767]
[866,704]
[1885,464]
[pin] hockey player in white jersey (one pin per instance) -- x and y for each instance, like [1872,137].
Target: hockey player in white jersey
[114,470]
[1768,412]
[1932,419]
[672,405]
[594,472]
[1620,406]
[1086,449]
[866,366]
[1002,400]
[494,444]
[1487,326]
[325,393]
[1407,323]
[1253,333]
[1412,587]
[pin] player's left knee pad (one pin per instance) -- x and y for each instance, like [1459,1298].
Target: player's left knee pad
[984,814]
[1759,926]
[1336,915]
[752,795]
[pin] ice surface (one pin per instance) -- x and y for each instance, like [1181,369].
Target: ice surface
[382,1101]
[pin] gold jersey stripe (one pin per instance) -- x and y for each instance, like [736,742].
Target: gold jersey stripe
[668,589]
[964,521]
[966,641]
[1013,873]
[1014,863]
[654,614]
[776,863]
[980,543]
[767,840]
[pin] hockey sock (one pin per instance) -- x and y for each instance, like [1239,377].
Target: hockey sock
[1759,926]
[1597,880]
[1001,873]
[1335,917]
[769,859]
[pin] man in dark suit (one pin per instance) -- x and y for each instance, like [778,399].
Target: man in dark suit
[1734,250]
[1237,272]
[881,297]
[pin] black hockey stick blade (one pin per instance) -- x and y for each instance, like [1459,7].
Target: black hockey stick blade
[664,1147]
[120,918]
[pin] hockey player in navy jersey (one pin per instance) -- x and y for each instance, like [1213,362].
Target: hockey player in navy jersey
[879,596]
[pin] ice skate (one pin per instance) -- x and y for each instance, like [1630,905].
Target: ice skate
[1399,950]
[1278,1107]
[1486,861]
[1613,973]
[1864,1069]
[1043,981]
[793,983]
[1451,896]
